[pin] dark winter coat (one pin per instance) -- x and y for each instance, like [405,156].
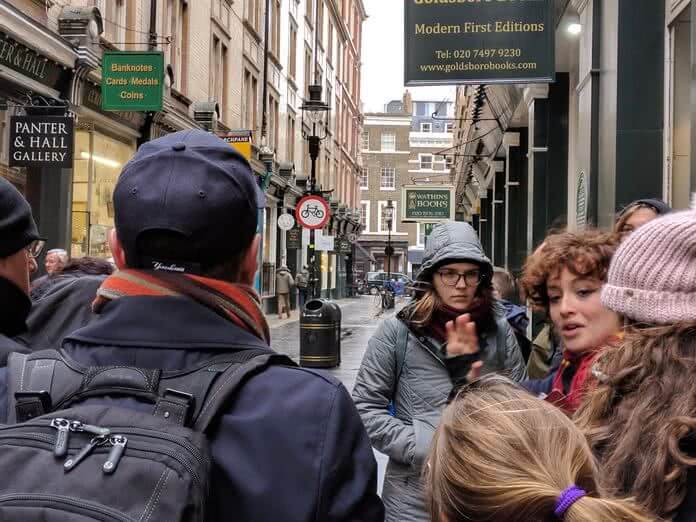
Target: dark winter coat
[13,314]
[65,306]
[290,447]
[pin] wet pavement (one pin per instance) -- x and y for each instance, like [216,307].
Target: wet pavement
[361,318]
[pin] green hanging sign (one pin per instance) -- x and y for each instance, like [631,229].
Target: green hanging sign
[132,81]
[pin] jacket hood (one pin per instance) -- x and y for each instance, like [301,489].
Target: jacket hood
[450,242]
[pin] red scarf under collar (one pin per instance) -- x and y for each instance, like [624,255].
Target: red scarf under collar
[237,303]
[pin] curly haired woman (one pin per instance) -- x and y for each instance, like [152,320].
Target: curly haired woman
[565,278]
[501,455]
[641,419]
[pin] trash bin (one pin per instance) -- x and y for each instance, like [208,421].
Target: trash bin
[320,334]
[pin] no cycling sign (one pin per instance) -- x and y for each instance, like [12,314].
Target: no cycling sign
[312,212]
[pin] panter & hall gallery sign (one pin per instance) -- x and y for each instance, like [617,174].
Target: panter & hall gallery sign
[478,42]
[41,141]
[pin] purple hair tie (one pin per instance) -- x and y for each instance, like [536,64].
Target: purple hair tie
[568,497]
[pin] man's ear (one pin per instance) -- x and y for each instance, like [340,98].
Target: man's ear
[117,251]
[249,265]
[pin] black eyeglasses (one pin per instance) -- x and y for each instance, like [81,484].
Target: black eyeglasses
[452,278]
[35,248]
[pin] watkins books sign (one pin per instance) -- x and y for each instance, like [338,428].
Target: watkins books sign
[41,141]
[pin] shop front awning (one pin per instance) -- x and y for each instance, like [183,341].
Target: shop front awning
[365,252]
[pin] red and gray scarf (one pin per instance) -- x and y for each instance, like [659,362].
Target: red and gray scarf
[237,303]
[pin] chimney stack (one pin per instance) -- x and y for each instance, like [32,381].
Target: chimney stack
[408,102]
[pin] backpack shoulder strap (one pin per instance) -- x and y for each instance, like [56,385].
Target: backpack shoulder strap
[37,381]
[247,364]
[400,354]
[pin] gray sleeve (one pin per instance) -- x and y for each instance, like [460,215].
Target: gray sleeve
[514,362]
[373,392]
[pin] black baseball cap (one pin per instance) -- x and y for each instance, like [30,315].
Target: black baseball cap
[17,226]
[192,184]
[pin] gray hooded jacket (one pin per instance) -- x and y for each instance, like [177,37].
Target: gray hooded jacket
[424,384]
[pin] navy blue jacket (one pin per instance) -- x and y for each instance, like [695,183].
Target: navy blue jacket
[290,447]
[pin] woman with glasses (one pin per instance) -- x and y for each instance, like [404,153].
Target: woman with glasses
[415,360]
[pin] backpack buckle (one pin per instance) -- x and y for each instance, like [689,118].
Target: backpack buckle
[31,404]
[175,406]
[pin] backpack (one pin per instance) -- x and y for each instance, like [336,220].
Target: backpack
[68,462]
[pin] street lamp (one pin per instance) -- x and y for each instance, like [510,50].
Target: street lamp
[315,115]
[389,251]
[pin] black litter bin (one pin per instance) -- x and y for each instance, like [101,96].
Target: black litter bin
[320,334]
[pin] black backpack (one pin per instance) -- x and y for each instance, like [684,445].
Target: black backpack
[65,462]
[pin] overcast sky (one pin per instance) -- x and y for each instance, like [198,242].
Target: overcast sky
[383,58]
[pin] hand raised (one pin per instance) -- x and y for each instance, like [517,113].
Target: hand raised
[462,338]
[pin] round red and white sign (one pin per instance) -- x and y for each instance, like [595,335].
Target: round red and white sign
[312,212]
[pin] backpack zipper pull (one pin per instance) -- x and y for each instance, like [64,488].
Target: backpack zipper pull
[94,430]
[63,427]
[118,443]
[70,464]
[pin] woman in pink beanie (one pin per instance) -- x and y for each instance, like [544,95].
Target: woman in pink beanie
[641,418]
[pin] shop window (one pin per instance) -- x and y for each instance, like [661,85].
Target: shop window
[97,165]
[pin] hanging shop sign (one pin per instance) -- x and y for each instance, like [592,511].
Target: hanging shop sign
[132,81]
[312,212]
[293,239]
[41,141]
[427,204]
[26,61]
[240,140]
[344,246]
[478,42]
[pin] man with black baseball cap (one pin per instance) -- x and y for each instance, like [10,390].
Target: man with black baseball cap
[19,245]
[290,446]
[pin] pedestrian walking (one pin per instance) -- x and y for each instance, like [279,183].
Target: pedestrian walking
[284,285]
[500,454]
[410,366]
[638,213]
[565,280]
[641,418]
[20,244]
[222,426]
[302,284]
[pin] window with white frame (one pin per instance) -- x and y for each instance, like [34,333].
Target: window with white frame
[365,141]
[364,178]
[381,217]
[387,178]
[426,127]
[421,235]
[426,161]
[365,215]
[449,161]
[388,142]
[449,127]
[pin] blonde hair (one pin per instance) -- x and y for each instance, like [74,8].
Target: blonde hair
[501,454]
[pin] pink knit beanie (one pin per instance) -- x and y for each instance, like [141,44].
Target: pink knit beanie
[652,277]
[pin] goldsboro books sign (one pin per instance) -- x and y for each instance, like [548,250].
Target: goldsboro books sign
[427,203]
[478,41]
[132,81]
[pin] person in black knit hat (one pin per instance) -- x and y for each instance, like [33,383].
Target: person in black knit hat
[20,243]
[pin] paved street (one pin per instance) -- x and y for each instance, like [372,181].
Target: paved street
[360,321]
